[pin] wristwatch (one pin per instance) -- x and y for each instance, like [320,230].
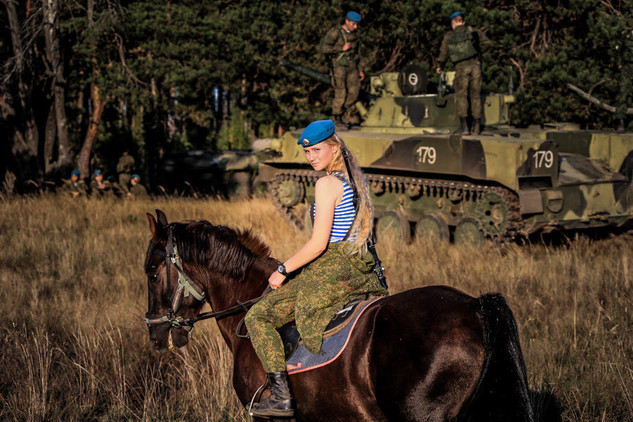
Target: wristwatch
[282,269]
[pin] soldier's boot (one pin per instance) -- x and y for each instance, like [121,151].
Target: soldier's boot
[477,127]
[281,403]
[339,122]
[621,126]
[463,127]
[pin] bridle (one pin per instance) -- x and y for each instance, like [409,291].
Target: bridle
[187,287]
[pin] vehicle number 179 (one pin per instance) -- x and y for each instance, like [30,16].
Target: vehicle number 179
[543,159]
[427,155]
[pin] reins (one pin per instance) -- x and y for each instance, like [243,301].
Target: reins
[187,287]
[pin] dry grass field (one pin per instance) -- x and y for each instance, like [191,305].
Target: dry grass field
[74,346]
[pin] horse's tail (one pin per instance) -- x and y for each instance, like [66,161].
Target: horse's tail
[502,391]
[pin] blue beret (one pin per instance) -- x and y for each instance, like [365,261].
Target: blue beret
[353,16]
[316,132]
[456,14]
[75,172]
[136,176]
[97,172]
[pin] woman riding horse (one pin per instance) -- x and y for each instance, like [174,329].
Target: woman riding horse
[336,265]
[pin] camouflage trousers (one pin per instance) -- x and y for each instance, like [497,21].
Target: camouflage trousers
[346,88]
[626,84]
[124,181]
[311,299]
[468,82]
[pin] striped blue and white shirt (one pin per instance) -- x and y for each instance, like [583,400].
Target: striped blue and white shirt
[344,214]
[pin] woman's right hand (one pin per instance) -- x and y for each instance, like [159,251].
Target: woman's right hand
[276,279]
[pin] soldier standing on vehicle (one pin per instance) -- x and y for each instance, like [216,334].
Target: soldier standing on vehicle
[125,168]
[624,60]
[341,46]
[463,46]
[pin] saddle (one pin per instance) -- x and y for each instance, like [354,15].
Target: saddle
[290,335]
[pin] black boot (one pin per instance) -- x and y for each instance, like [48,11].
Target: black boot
[463,127]
[339,123]
[280,404]
[477,127]
[621,126]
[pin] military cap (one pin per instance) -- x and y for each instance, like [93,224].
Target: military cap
[97,172]
[136,176]
[353,16]
[456,14]
[75,172]
[316,132]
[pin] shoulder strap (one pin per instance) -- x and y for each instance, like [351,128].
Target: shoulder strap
[342,32]
[371,245]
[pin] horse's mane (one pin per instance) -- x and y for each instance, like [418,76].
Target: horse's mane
[218,248]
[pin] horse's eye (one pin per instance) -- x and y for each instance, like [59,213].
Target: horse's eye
[153,277]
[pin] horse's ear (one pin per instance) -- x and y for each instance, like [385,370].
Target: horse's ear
[162,218]
[156,229]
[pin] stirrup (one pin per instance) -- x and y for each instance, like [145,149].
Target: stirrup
[250,405]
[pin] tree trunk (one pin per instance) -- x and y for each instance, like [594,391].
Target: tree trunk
[49,142]
[98,104]
[53,55]
[24,144]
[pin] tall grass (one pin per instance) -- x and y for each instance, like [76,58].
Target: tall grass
[73,344]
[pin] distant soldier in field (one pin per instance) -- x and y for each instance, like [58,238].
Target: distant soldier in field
[624,60]
[463,46]
[341,45]
[100,187]
[75,186]
[136,189]
[125,168]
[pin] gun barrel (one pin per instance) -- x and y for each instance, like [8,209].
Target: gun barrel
[321,77]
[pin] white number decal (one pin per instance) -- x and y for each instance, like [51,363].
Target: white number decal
[427,155]
[543,159]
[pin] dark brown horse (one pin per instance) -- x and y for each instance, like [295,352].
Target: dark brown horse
[427,354]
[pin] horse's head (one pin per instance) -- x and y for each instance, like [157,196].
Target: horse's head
[172,296]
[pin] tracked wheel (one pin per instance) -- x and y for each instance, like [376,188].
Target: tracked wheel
[468,232]
[393,227]
[432,228]
[290,192]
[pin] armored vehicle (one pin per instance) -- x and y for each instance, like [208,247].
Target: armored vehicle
[224,173]
[503,184]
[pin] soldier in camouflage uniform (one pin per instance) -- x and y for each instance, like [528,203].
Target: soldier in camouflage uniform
[125,168]
[624,58]
[341,45]
[136,190]
[336,266]
[463,46]
[75,186]
[99,187]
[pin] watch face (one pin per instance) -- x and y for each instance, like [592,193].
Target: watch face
[281,269]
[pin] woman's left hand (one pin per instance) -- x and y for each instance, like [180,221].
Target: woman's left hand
[276,279]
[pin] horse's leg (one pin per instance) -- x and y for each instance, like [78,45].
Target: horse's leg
[428,353]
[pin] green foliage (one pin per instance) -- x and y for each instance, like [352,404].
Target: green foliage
[170,70]
[234,133]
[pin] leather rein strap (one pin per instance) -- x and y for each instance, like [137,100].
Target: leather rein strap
[187,287]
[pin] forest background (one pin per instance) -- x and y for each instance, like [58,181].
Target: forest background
[81,81]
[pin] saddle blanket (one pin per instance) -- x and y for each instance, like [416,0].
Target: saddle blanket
[333,345]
